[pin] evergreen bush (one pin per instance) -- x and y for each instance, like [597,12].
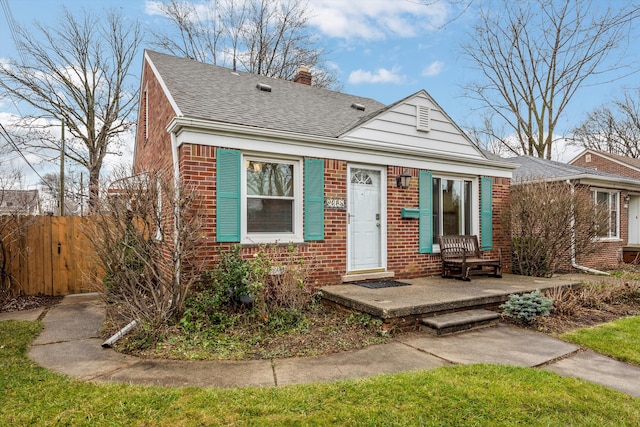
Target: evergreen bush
[526,307]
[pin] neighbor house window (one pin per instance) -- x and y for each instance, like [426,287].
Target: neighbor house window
[608,200]
[452,207]
[272,199]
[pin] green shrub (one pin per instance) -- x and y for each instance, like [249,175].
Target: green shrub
[526,307]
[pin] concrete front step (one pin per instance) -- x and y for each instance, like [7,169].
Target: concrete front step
[459,321]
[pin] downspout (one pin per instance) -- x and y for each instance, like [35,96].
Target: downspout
[176,207]
[115,337]
[574,264]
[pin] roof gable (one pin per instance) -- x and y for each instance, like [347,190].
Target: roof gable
[416,121]
[209,92]
[626,161]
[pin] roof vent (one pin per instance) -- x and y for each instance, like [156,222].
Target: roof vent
[263,87]
[357,106]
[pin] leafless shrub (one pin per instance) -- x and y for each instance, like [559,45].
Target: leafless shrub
[146,238]
[279,279]
[565,300]
[596,295]
[548,222]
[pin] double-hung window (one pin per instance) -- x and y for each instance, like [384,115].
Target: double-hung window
[272,200]
[452,207]
[609,201]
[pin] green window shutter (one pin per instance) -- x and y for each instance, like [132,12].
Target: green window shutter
[228,179]
[425,212]
[313,199]
[486,212]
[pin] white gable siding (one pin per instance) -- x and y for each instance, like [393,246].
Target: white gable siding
[397,127]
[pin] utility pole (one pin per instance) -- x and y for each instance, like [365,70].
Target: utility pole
[61,200]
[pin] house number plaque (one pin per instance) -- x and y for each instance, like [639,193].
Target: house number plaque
[335,203]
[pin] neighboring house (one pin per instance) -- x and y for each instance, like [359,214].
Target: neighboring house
[615,192]
[283,161]
[19,202]
[607,162]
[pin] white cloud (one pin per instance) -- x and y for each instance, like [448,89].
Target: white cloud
[152,7]
[155,8]
[433,69]
[381,75]
[376,19]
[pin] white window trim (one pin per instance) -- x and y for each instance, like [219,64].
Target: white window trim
[298,193]
[475,204]
[617,193]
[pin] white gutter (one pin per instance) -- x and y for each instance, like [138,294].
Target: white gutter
[574,264]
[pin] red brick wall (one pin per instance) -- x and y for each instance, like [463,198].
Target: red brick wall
[605,165]
[330,256]
[501,225]
[153,151]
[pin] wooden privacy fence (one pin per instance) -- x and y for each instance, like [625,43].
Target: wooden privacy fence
[55,257]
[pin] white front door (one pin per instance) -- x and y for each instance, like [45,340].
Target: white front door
[365,219]
[634,220]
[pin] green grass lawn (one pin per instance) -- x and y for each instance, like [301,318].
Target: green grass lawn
[619,339]
[459,395]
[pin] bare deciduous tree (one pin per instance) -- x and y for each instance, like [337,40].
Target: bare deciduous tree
[535,55]
[74,193]
[612,128]
[77,72]
[266,37]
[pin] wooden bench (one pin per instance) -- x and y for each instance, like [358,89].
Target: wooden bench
[461,257]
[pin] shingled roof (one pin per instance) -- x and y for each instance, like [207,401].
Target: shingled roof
[210,92]
[535,168]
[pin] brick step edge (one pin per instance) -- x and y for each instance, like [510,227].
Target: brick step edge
[459,321]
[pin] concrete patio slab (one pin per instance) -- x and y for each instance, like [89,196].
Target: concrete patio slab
[600,369]
[434,294]
[379,359]
[503,344]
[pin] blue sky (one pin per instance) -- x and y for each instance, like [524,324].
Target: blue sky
[383,49]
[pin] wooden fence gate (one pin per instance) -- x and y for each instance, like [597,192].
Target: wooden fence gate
[55,257]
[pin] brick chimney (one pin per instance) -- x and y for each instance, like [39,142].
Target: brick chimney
[303,76]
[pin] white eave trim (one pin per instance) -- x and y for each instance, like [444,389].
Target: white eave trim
[179,124]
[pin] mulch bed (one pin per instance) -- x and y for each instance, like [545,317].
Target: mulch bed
[24,302]
[582,318]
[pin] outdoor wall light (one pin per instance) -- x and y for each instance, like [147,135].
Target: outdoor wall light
[626,198]
[403,181]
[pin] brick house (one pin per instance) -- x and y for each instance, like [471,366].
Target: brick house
[625,166]
[615,192]
[287,162]
[608,162]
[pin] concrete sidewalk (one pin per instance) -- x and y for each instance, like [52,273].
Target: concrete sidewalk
[70,344]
